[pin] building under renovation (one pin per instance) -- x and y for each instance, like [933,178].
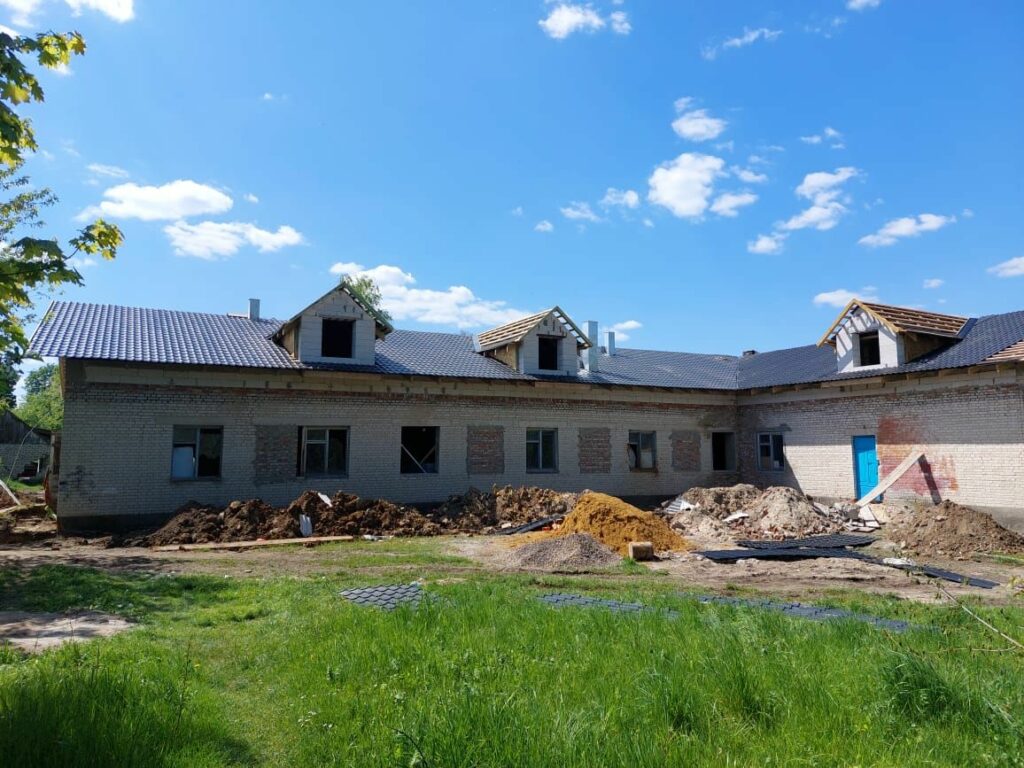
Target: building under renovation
[162,407]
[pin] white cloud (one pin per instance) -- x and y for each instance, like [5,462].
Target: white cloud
[22,11]
[566,19]
[4,29]
[577,211]
[267,96]
[174,200]
[82,262]
[648,223]
[1009,268]
[841,297]
[620,23]
[832,133]
[626,198]
[967,213]
[934,282]
[767,244]
[622,329]
[908,226]
[829,133]
[346,268]
[517,211]
[457,306]
[249,197]
[729,203]
[684,185]
[815,139]
[696,124]
[544,226]
[749,36]
[726,146]
[862,5]
[118,10]
[108,170]
[748,176]
[215,239]
[822,188]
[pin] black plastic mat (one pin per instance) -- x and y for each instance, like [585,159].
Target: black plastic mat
[811,612]
[828,541]
[535,525]
[388,597]
[786,553]
[563,600]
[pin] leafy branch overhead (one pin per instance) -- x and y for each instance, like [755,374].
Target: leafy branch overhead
[367,292]
[32,263]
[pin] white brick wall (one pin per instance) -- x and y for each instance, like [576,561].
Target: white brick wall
[337,305]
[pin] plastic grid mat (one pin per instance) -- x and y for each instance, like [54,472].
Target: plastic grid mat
[812,612]
[387,597]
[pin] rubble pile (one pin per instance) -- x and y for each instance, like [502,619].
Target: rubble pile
[721,514]
[949,529]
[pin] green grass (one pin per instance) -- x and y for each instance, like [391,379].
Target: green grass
[281,671]
[19,487]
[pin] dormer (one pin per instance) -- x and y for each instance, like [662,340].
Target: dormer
[868,335]
[338,328]
[548,343]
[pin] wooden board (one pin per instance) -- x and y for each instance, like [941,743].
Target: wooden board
[9,492]
[250,544]
[912,458]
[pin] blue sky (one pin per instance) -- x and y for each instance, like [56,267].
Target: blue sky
[709,176]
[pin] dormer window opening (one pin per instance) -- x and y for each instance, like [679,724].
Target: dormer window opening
[869,351]
[336,340]
[547,352]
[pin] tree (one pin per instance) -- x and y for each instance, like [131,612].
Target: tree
[28,263]
[368,292]
[43,406]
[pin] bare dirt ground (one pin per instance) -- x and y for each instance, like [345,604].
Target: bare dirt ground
[38,632]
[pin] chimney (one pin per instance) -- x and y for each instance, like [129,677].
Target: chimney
[749,352]
[610,343]
[254,309]
[592,355]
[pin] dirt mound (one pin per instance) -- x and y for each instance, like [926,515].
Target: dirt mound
[952,530]
[723,501]
[782,511]
[573,552]
[502,507]
[615,523]
[343,515]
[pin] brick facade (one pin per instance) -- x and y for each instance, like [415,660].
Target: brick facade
[485,450]
[595,450]
[276,453]
[685,451]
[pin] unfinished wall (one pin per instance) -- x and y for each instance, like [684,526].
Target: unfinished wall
[338,305]
[972,429]
[568,358]
[113,465]
[890,346]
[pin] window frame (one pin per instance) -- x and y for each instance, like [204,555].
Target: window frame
[733,458]
[877,348]
[556,342]
[771,445]
[324,323]
[539,441]
[639,434]
[403,451]
[197,434]
[326,442]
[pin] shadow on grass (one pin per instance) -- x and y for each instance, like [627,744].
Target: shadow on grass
[62,588]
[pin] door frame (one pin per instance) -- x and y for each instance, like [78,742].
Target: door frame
[856,465]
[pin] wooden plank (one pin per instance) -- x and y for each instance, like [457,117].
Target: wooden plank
[249,544]
[912,458]
[10,493]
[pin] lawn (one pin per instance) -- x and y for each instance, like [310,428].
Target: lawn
[281,671]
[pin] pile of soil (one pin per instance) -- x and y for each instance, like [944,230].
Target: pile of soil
[723,501]
[615,523]
[502,507]
[952,530]
[344,515]
[577,551]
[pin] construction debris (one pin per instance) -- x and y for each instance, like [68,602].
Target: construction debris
[641,551]
[502,507]
[306,542]
[616,523]
[915,455]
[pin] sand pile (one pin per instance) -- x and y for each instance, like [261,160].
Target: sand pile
[950,529]
[615,523]
[723,501]
[577,551]
[479,512]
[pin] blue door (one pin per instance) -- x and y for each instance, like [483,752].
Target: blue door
[865,464]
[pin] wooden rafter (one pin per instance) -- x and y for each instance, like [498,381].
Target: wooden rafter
[899,320]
